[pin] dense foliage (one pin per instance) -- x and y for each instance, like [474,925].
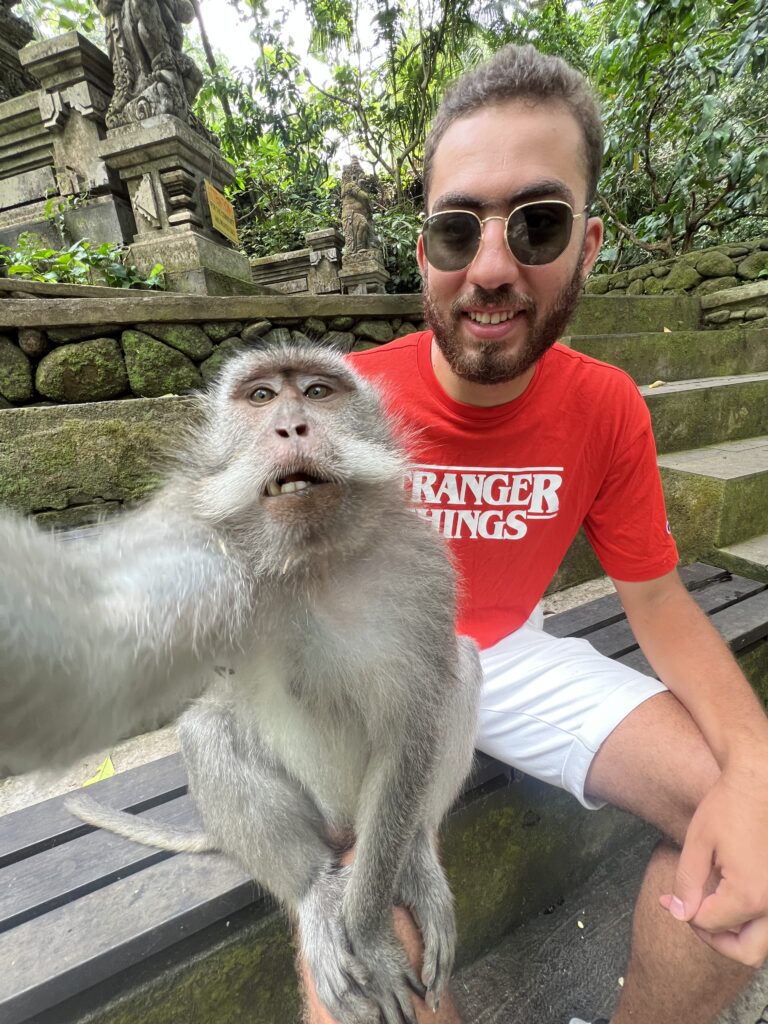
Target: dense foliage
[683,86]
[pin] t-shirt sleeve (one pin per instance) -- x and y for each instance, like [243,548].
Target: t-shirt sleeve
[627,523]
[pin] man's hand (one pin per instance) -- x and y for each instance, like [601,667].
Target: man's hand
[728,834]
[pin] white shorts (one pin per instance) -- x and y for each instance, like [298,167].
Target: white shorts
[548,703]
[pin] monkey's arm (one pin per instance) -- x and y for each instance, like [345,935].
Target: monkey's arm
[103,638]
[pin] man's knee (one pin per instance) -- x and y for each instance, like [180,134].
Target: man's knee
[656,764]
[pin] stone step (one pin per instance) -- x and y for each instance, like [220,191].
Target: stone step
[682,354]
[706,411]
[622,314]
[749,557]
[718,495]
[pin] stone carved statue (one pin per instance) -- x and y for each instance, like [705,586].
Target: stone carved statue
[356,211]
[14,33]
[152,73]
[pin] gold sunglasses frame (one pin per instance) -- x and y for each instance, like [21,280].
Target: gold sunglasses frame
[482,221]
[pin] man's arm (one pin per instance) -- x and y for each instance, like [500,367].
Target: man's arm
[730,827]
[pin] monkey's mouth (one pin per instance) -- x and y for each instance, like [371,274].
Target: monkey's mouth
[292,483]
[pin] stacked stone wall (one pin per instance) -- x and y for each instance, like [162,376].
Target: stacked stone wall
[94,363]
[703,273]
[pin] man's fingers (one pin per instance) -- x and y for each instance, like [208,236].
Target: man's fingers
[727,909]
[693,871]
[748,945]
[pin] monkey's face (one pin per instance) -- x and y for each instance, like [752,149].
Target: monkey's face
[299,442]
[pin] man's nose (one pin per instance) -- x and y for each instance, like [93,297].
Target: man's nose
[494,265]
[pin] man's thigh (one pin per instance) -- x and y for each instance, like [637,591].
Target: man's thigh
[656,764]
[560,711]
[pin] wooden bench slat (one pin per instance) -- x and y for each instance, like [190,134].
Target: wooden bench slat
[48,959]
[36,885]
[41,826]
[617,639]
[603,611]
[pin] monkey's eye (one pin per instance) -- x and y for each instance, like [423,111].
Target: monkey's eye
[261,395]
[318,391]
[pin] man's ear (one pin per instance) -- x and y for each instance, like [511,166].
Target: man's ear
[593,239]
[421,259]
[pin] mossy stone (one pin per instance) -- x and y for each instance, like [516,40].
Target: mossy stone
[752,266]
[87,371]
[189,339]
[597,285]
[341,323]
[639,273]
[255,331]
[33,342]
[620,280]
[636,287]
[314,327]
[220,330]
[653,286]
[711,263]
[406,328]
[720,316]
[374,330]
[661,269]
[682,277]
[227,350]
[299,338]
[15,372]
[155,369]
[755,312]
[716,284]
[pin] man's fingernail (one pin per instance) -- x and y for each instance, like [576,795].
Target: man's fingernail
[677,908]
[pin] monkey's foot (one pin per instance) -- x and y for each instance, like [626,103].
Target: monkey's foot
[391,978]
[423,889]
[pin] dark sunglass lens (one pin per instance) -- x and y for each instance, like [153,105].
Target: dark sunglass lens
[451,240]
[539,233]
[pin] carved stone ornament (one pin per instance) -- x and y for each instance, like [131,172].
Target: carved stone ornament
[14,33]
[356,211]
[152,73]
[145,202]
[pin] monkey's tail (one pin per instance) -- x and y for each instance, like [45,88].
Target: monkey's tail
[141,830]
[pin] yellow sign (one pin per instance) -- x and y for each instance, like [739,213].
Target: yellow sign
[222,213]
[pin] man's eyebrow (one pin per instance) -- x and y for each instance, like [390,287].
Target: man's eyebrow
[545,188]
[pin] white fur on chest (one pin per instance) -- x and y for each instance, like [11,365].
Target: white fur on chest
[328,753]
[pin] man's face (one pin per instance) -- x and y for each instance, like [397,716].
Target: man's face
[489,163]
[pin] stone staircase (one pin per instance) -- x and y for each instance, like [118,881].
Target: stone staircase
[707,391]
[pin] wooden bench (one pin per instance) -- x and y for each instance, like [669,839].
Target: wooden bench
[81,908]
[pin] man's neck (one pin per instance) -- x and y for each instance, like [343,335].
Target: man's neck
[484,395]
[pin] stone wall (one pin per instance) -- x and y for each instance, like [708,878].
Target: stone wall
[148,359]
[702,272]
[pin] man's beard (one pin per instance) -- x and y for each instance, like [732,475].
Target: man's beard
[489,363]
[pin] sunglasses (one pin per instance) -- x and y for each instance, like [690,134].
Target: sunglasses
[536,233]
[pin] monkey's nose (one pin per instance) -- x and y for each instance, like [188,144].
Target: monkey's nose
[292,430]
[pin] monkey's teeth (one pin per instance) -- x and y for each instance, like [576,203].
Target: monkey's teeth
[294,485]
[273,488]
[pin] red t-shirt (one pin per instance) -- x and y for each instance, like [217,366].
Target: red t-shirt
[509,486]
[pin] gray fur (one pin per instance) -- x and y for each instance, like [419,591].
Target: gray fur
[313,634]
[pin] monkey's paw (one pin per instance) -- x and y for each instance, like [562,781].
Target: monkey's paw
[340,980]
[424,890]
[391,978]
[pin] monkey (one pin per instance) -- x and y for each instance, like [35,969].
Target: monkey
[282,590]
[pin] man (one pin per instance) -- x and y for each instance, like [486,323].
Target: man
[517,442]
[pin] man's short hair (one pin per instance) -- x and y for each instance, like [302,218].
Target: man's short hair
[521,73]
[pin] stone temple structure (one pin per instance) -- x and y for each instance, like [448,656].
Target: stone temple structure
[111,143]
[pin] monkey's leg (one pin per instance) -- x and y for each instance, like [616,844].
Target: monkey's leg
[259,815]
[422,885]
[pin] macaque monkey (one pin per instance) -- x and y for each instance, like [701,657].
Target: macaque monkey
[282,584]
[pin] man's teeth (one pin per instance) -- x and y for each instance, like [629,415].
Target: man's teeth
[492,318]
[274,488]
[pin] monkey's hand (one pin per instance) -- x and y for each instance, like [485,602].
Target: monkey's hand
[423,889]
[391,979]
[340,981]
